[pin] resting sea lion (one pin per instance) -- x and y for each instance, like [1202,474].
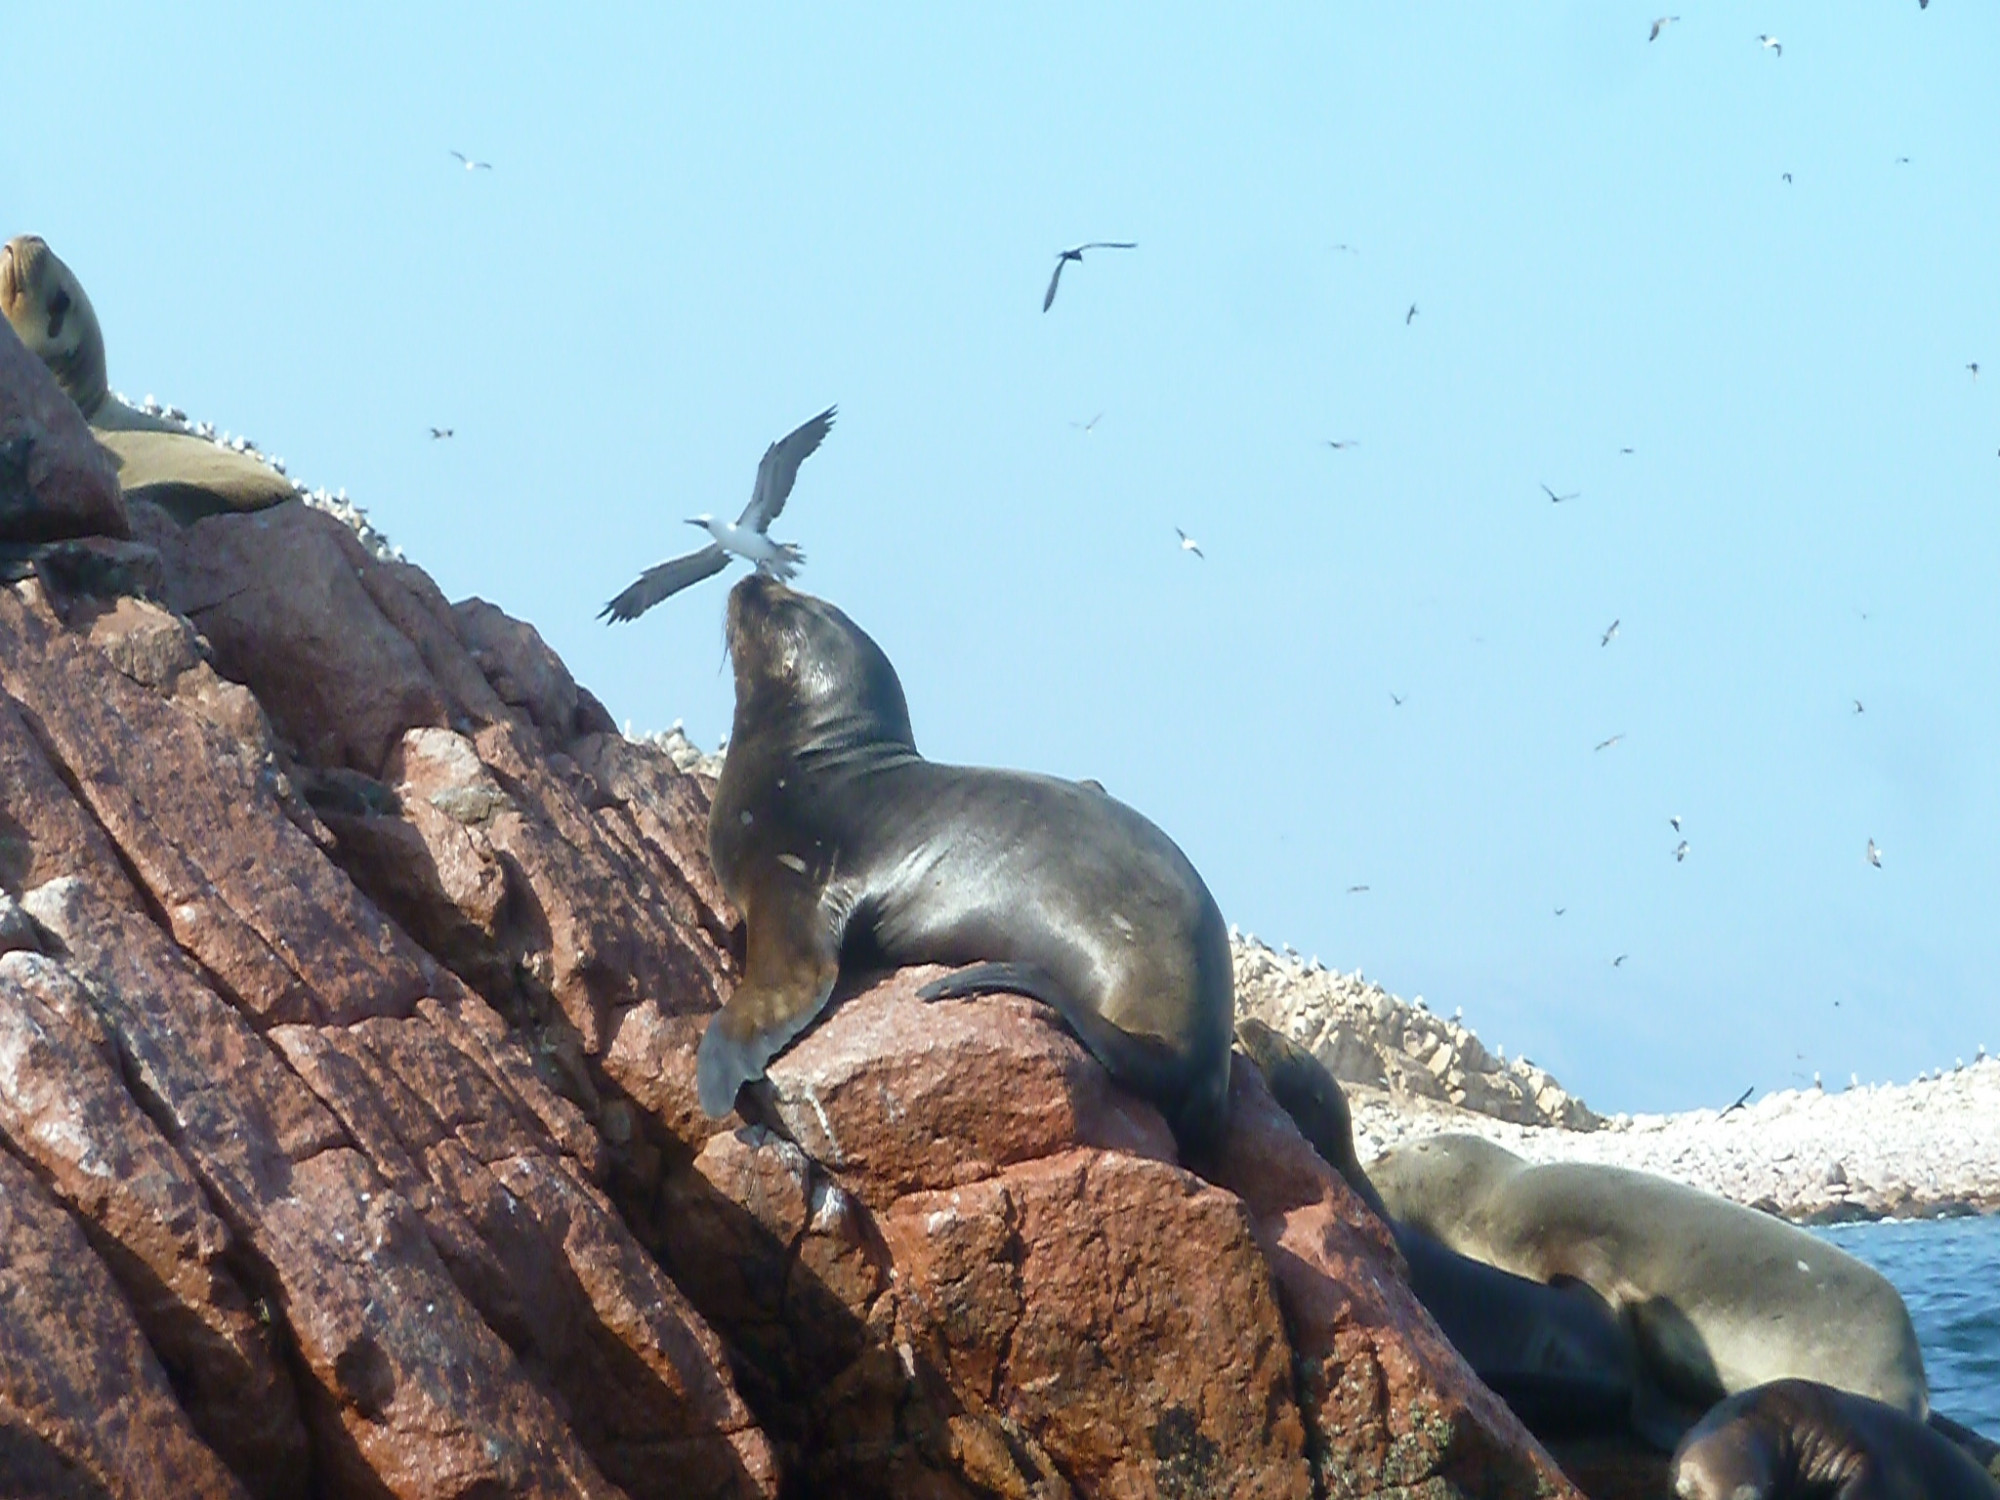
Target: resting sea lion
[1800,1440]
[841,844]
[1718,1297]
[1556,1355]
[47,306]
[157,460]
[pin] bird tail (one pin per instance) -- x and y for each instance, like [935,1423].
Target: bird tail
[788,561]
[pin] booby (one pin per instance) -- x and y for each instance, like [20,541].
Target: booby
[1660,26]
[1188,544]
[471,165]
[1767,40]
[1874,854]
[744,538]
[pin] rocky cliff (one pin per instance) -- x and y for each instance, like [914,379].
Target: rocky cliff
[351,967]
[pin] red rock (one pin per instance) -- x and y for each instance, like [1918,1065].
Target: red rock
[55,481]
[77,1381]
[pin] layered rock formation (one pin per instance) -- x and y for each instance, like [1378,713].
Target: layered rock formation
[351,968]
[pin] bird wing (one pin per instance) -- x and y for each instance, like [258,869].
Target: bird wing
[780,468]
[668,578]
[460,155]
[1049,297]
[1656,31]
[1110,245]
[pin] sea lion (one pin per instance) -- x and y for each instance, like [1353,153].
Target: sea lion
[1719,1298]
[842,846]
[158,460]
[1798,1439]
[50,311]
[1557,1356]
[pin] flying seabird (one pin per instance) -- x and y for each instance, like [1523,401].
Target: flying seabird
[1607,744]
[1858,708]
[1784,176]
[440,432]
[746,538]
[1346,248]
[1625,450]
[1620,959]
[1676,821]
[1974,367]
[1087,426]
[1558,499]
[1188,544]
[1609,631]
[1661,25]
[1410,316]
[1395,701]
[471,165]
[1355,890]
[1561,909]
[1338,443]
[1902,161]
[1680,851]
[1064,257]
[1767,40]
[1874,855]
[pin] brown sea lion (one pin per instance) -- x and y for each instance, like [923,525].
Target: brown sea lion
[50,311]
[1719,1297]
[1556,1355]
[843,846]
[1800,1440]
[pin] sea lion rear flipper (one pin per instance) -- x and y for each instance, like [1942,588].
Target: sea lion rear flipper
[1142,1063]
[788,973]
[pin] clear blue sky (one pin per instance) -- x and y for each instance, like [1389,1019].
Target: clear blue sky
[703,226]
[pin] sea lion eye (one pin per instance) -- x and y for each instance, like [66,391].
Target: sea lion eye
[58,307]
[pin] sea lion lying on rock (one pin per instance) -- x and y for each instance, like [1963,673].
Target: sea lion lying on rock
[1557,1356]
[1719,1298]
[157,459]
[1800,1440]
[844,847]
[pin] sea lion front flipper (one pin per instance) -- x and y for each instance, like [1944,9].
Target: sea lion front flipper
[792,960]
[1142,1063]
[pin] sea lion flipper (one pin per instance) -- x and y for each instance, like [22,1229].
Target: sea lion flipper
[1143,1063]
[792,960]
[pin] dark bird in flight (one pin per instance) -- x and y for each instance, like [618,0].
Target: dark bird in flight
[1355,890]
[1619,960]
[1064,257]
[1974,367]
[1607,744]
[471,165]
[1858,708]
[1410,316]
[1558,499]
[1676,821]
[746,538]
[1785,176]
[1395,701]
[1609,631]
[1625,450]
[1561,909]
[1661,25]
[1680,851]
[1902,161]
[1741,1099]
[440,432]
[1346,248]
[1090,425]
[1338,443]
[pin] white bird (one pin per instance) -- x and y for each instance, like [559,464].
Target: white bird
[471,165]
[1609,631]
[1660,26]
[1767,40]
[1188,544]
[1075,253]
[745,538]
[1680,851]
[1874,855]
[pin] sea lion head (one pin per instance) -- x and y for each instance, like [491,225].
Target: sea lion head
[47,307]
[806,671]
[1441,1178]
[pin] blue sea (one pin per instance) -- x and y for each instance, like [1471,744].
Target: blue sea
[1948,1271]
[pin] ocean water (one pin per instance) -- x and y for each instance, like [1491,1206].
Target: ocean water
[1948,1271]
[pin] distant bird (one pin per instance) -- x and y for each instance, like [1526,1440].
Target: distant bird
[1974,367]
[1609,631]
[1188,544]
[1064,257]
[1767,40]
[1338,443]
[1558,499]
[1676,821]
[1397,702]
[1346,249]
[1661,25]
[1410,316]
[1625,450]
[1607,744]
[1741,1099]
[1355,890]
[1088,426]
[471,165]
[440,432]
[1680,851]
[1874,855]
[1561,909]
[1902,161]
[1858,708]
[1619,960]
[1785,176]
[776,473]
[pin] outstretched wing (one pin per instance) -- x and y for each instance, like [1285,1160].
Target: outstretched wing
[780,468]
[656,584]
[1049,297]
[1110,245]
